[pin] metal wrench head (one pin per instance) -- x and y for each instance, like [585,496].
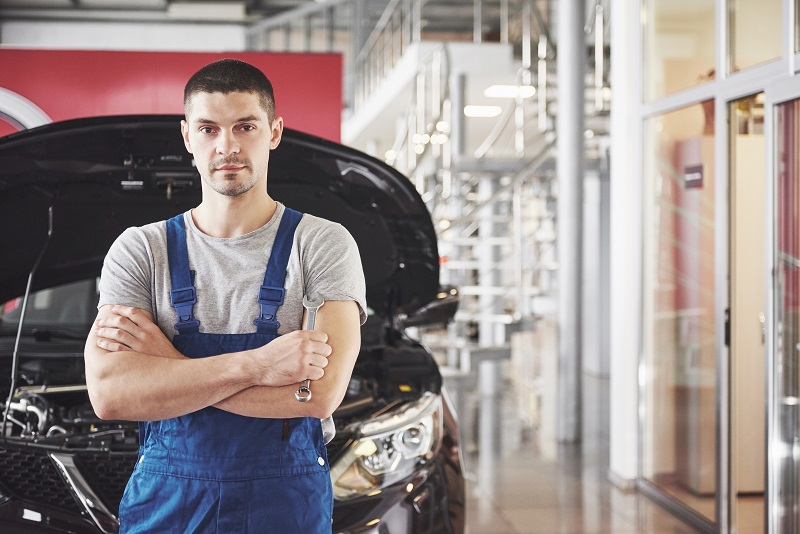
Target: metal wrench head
[312,305]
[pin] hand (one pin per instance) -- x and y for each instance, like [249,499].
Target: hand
[133,329]
[291,358]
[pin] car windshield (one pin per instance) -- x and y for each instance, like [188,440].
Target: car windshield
[70,306]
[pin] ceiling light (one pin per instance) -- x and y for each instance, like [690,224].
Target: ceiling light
[421,139]
[482,111]
[439,138]
[509,91]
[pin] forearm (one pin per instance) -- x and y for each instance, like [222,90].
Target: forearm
[134,372]
[274,403]
[340,320]
[139,387]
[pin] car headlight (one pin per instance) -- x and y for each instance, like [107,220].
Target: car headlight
[388,448]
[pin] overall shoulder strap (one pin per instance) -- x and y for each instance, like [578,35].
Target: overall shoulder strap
[272,292]
[182,295]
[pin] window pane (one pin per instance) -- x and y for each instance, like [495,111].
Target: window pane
[679,45]
[680,336]
[755,29]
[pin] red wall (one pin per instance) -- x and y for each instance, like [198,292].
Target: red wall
[68,84]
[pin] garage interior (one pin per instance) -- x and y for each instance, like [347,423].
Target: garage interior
[527,357]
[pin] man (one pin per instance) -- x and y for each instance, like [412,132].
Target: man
[196,336]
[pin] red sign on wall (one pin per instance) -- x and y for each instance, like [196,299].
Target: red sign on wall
[54,85]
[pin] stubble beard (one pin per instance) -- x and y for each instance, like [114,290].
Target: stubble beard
[232,184]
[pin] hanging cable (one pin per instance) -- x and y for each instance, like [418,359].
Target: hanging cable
[15,354]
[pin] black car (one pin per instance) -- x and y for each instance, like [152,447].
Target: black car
[68,189]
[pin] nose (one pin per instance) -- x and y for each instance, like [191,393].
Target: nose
[227,144]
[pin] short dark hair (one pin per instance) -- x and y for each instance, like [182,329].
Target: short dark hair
[231,76]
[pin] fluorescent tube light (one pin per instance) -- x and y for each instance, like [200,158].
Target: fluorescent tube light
[482,111]
[509,91]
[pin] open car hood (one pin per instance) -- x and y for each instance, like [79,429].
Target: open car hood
[84,181]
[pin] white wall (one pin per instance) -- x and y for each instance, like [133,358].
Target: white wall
[135,36]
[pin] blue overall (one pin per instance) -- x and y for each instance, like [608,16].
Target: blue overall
[215,471]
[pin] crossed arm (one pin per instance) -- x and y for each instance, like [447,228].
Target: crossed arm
[134,372]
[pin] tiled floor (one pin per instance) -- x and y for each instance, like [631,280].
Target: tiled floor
[514,488]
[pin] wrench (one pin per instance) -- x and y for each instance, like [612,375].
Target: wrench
[303,393]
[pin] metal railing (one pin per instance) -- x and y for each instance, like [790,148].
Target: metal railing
[422,147]
[407,22]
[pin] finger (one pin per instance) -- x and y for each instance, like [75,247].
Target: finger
[118,323]
[116,335]
[127,311]
[316,335]
[111,346]
[323,349]
[318,361]
[315,373]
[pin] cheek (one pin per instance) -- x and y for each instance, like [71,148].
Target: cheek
[262,161]
[197,148]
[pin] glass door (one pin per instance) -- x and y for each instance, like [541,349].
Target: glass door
[680,450]
[785,434]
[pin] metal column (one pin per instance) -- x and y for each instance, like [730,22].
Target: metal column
[570,166]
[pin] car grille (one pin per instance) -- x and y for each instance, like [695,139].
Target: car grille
[107,474]
[29,474]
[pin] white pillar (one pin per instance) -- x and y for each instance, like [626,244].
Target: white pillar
[626,242]
[570,166]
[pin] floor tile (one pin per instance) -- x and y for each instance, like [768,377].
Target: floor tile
[514,487]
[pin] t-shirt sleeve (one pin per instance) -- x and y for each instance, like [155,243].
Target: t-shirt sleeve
[333,270]
[127,273]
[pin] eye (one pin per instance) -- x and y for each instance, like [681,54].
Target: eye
[206,129]
[247,127]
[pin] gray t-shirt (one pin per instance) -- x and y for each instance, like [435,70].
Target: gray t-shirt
[229,272]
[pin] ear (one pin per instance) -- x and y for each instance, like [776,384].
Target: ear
[185,134]
[277,133]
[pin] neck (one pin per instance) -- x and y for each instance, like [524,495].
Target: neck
[220,216]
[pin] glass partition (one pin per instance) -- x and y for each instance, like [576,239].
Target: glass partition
[787,318]
[679,45]
[680,440]
[755,32]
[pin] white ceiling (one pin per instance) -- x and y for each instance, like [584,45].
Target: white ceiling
[249,10]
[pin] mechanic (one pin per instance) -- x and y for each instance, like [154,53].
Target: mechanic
[225,446]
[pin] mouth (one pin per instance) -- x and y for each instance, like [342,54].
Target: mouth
[230,168]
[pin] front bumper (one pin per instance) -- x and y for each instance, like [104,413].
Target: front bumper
[36,500]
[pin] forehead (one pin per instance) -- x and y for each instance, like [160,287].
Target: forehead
[222,107]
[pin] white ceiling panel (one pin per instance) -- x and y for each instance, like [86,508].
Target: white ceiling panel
[121,4]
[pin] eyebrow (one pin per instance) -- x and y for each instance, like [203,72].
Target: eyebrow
[248,118]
